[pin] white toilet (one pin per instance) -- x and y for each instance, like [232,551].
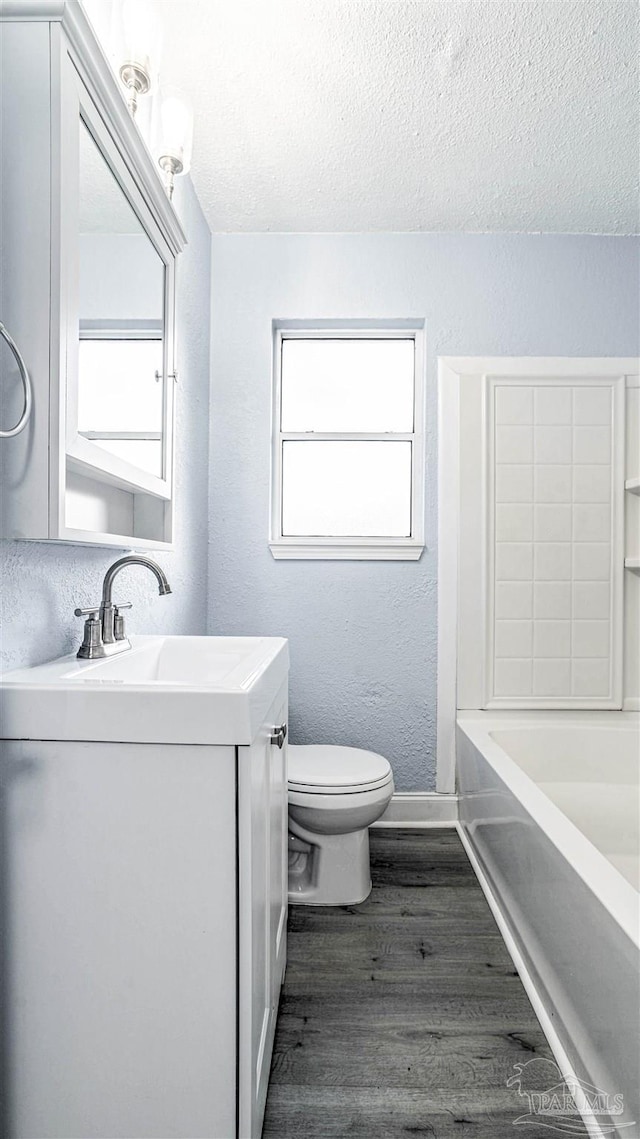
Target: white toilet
[335,793]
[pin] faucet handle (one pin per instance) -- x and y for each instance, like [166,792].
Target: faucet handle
[118,620]
[92,640]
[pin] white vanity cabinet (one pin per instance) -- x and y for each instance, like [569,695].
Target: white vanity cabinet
[89,243]
[146,902]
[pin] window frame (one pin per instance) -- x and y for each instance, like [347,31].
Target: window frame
[350,548]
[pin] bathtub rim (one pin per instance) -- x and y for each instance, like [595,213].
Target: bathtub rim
[608,884]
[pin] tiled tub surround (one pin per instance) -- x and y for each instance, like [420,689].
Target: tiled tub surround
[549,811]
[555,540]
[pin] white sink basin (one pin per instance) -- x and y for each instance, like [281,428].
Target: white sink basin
[192,690]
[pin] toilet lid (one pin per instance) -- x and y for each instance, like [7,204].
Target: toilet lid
[327,769]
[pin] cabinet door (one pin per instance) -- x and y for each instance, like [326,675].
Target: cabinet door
[262,888]
[119,912]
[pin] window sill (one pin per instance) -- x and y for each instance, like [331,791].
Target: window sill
[371,550]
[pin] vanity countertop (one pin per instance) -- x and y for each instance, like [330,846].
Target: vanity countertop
[189,690]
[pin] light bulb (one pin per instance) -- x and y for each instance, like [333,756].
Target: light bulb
[175,124]
[136,25]
[173,134]
[138,39]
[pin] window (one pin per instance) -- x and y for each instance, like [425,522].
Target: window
[347,472]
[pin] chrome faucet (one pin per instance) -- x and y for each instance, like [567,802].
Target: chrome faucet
[104,633]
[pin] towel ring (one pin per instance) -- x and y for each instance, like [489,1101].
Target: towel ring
[26,383]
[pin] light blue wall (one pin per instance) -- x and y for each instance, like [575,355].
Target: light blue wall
[363,634]
[41,583]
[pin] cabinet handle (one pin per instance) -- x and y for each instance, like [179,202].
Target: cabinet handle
[278,735]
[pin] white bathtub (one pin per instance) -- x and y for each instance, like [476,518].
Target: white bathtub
[549,805]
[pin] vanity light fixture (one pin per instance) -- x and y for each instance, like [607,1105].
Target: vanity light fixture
[172,134]
[137,39]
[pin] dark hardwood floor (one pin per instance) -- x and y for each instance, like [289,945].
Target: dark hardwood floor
[403,1015]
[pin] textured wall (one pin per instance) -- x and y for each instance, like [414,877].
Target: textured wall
[363,634]
[43,582]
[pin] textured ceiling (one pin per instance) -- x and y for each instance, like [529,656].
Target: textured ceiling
[352,115]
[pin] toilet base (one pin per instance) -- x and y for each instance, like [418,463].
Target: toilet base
[328,869]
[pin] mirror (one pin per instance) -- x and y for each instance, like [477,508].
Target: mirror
[121,303]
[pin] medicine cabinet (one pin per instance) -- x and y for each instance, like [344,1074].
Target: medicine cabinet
[89,245]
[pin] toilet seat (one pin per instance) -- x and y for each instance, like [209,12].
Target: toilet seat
[325,769]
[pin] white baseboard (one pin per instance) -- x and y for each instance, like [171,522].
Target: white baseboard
[420,809]
[540,1009]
